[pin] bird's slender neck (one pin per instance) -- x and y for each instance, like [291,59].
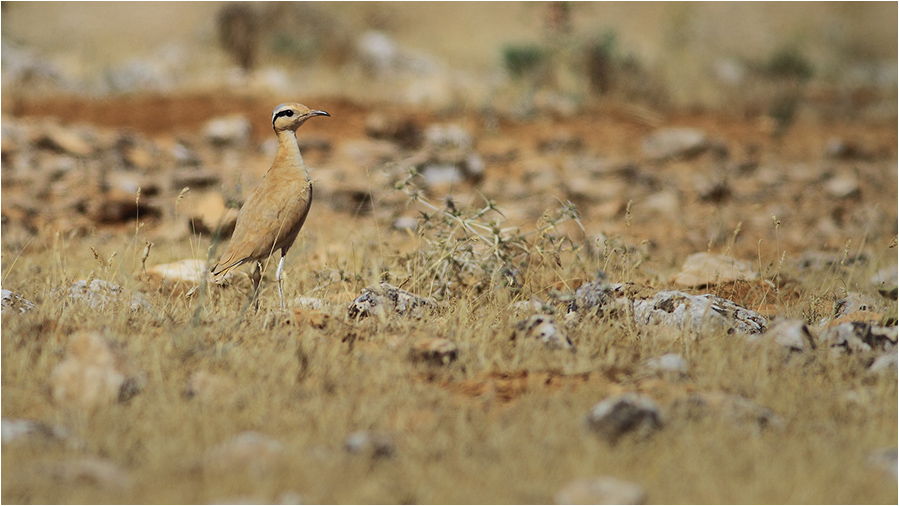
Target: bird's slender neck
[289,152]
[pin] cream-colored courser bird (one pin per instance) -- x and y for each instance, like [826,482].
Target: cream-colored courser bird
[275,212]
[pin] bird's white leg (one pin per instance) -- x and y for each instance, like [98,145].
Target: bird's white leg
[280,276]
[256,277]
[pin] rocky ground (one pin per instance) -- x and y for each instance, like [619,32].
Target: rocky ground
[551,308]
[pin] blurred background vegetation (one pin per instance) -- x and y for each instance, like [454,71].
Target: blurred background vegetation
[776,59]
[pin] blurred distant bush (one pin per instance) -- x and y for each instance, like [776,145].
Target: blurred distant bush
[238,30]
[611,71]
[786,72]
[293,31]
[601,55]
[576,67]
[788,63]
[300,31]
[523,60]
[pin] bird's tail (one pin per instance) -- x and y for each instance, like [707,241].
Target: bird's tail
[219,270]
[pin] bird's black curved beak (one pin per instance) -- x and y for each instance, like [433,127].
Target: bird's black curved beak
[319,113]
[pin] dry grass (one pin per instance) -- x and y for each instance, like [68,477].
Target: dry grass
[502,424]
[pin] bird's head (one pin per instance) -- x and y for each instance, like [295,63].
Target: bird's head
[291,115]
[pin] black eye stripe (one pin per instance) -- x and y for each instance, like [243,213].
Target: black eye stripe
[287,112]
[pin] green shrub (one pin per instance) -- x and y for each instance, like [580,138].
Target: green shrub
[523,60]
[788,62]
[601,55]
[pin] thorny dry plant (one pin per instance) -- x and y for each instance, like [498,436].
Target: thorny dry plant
[467,248]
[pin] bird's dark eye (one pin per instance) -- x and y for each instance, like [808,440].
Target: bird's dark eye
[288,113]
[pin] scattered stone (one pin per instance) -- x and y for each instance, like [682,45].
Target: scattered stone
[713,190]
[184,155]
[100,294]
[886,362]
[178,278]
[377,53]
[668,364]
[309,303]
[792,334]
[474,166]
[543,327]
[387,299]
[312,317]
[674,142]
[129,183]
[856,398]
[17,429]
[843,185]
[561,141]
[729,71]
[405,223]
[349,196]
[367,153]
[248,452]
[135,76]
[450,169]
[99,472]
[854,302]
[624,414]
[206,386]
[886,459]
[435,350]
[838,148]
[584,188]
[441,175]
[140,157]
[858,337]
[375,444]
[665,202]
[604,299]
[193,177]
[556,104]
[828,260]
[233,131]
[449,136]
[697,313]
[309,143]
[887,282]
[534,305]
[734,408]
[858,316]
[209,214]
[601,167]
[415,76]
[704,269]
[93,374]
[63,140]
[603,490]
[400,130]
[14,304]
[842,149]
[23,68]
[118,206]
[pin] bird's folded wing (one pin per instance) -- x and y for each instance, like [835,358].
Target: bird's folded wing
[271,214]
